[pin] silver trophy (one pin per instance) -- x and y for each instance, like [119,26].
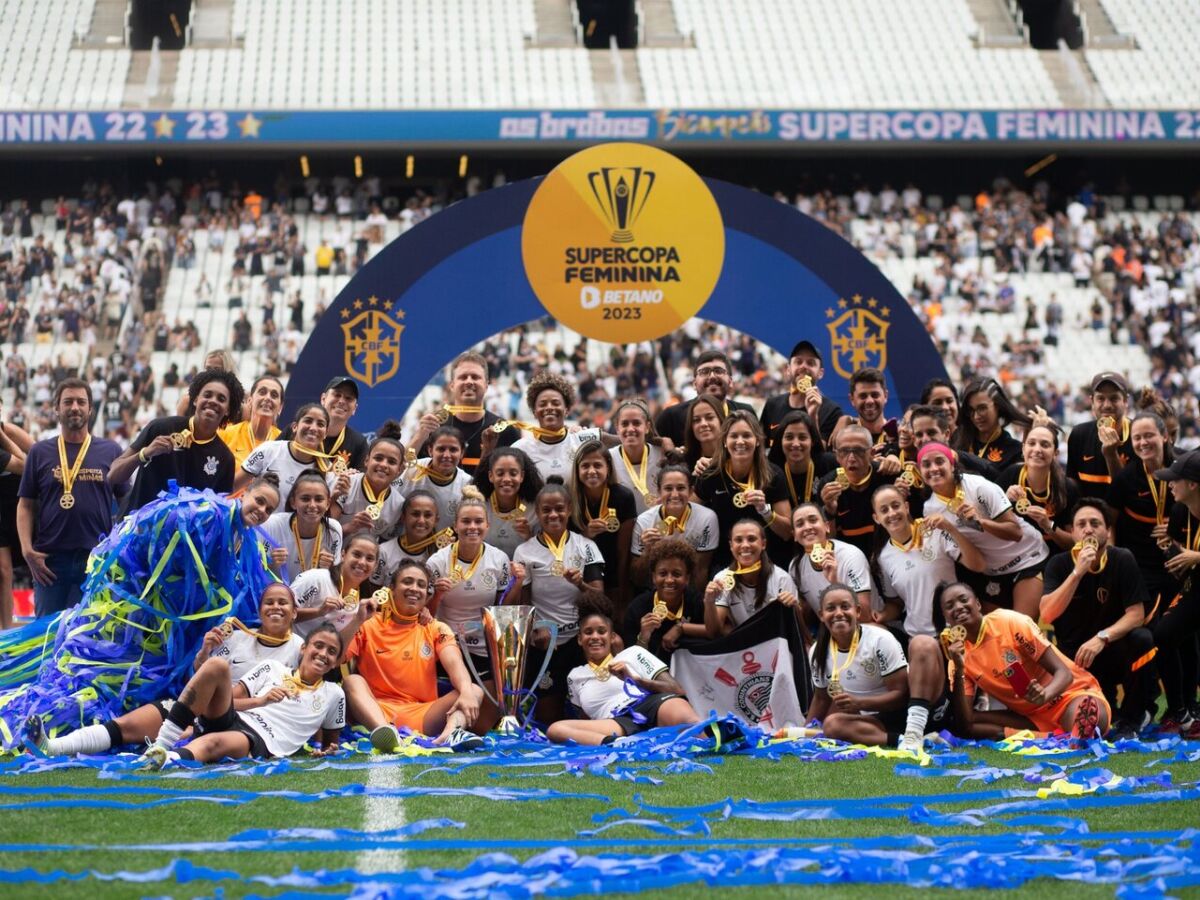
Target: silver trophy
[508,633]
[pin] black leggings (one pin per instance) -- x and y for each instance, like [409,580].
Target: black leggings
[1175,635]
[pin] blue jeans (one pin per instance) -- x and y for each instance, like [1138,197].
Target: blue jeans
[69,570]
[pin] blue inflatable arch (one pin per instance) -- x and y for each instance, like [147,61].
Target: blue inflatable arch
[458,278]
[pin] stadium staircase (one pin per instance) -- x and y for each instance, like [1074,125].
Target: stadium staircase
[557,23]
[660,27]
[107,26]
[616,79]
[1000,23]
[212,24]
[139,92]
[1073,78]
[1100,29]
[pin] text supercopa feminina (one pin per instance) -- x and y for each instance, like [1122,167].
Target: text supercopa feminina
[594,265]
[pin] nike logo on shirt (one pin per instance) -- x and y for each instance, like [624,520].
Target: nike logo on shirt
[1088,458]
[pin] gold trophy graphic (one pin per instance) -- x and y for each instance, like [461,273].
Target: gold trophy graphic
[621,194]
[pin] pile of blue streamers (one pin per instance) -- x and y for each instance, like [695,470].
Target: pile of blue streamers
[155,585]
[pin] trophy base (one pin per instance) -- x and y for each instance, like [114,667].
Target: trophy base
[509,725]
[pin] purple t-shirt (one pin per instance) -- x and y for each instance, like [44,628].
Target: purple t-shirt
[83,525]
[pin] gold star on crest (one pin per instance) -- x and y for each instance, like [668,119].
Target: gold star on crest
[374,301]
[872,303]
[164,126]
[886,311]
[387,304]
[345,313]
[829,313]
[857,298]
[358,304]
[249,125]
[842,304]
[399,314]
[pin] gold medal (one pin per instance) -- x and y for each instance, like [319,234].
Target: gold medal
[602,673]
[293,689]
[500,426]
[557,569]
[1022,506]
[410,455]
[382,597]
[442,415]
[954,504]
[906,478]
[818,554]
[350,601]
[841,478]
[649,498]
[1106,422]
[953,634]
[727,580]
[340,466]
[374,510]
[226,628]
[612,524]
[834,686]
[455,576]
[443,540]
[660,609]
[182,439]
[66,501]
[739,499]
[1088,543]
[804,384]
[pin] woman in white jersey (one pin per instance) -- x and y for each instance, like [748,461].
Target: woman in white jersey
[638,461]
[559,565]
[510,483]
[912,557]
[674,515]
[288,459]
[1013,550]
[439,473]
[271,711]
[620,693]
[304,534]
[551,443]
[335,595]
[419,539]
[823,560]
[241,647]
[749,583]
[373,498]
[469,575]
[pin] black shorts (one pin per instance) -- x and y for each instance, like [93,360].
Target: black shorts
[998,589]
[647,713]
[941,710]
[8,511]
[258,749]
[231,721]
[554,683]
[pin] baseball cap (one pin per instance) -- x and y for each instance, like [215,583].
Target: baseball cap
[1185,468]
[341,380]
[1114,378]
[805,347]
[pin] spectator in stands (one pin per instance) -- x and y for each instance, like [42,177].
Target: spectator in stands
[66,500]
[324,257]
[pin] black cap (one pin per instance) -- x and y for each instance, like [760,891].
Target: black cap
[805,347]
[342,380]
[1185,468]
[1114,378]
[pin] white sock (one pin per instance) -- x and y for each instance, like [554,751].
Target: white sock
[914,725]
[92,739]
[168,735]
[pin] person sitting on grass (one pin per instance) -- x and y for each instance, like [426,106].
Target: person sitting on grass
[241,647]
[271,711]
[620,695]
[865,691]
[394,658]
[1005,656]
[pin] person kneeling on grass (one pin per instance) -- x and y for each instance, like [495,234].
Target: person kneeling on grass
[620,695]
[270,711]
[395,657]
[863,681]
[1005,656]
[243,648]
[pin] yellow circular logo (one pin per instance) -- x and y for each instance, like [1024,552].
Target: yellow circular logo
[623,242]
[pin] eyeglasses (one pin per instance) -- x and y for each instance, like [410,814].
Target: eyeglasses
[852,451]
[711,370]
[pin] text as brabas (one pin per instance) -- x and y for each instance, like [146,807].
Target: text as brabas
[595,265]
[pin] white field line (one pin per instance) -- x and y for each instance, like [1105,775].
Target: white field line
[383,814]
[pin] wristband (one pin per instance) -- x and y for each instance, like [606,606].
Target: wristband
[142,456]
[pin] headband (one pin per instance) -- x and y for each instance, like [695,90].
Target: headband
[937,447]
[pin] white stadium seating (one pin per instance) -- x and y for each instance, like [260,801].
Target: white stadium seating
[1162,71]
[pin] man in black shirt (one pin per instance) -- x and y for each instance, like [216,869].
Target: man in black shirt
[1091,460]
[712,375]
[869,397]
[846,492]
[340,400]
[465,411]
[1095,598]
[804,362]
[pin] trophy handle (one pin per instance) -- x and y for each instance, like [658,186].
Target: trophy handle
[462,631]
[552,627]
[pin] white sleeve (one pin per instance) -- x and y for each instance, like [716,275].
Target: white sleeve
[642,661]
[785,583]
[256,462]
[635,543]
[438,567]
[949,545]
[573,680]
[991,501]
[886,589]
[335,540]
[857,570]
[708,534]
[261,678]
[890,655]
[817,669]
[335,714]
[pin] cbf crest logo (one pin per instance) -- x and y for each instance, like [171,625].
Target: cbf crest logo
[621,194]
[858,335]
[372,340]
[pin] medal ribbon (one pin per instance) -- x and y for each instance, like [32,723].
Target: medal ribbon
[639,477]
[422,546]
[298,684]
[958,495]
[372,497]
[558,549]
[604,513]
[1158,493]
[319,455]
[536,430]
[267,639]
[1103,559]
[808,483]
[454,562]
[454,409]
[747,486]
[316,551]
[914,542]
[1023,483]
[519,510]
[70,473]
[748,570]
[855,484]
[835,670]
[666,610]
[674,525]
[599,667]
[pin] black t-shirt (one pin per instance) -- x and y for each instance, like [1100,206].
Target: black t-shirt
[353,447]
[822,463]
[473,433]
[716,491]
[620,502]
[1060,517]
[779,406]
[1100,598]
[693,611]
[1001,453]
[208,465]
[672,420]
[854,522]
[1085,459]
[1132,497]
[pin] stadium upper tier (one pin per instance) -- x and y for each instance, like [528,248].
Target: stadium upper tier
[497,54]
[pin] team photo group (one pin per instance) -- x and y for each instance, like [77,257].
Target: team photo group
[968,568]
